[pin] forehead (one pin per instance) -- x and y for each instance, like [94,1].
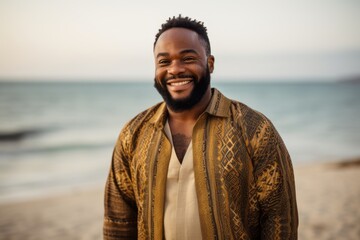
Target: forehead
[178,39]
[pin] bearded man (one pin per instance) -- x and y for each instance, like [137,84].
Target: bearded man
[198,165]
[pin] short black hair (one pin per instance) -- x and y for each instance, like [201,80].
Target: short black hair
[188,23]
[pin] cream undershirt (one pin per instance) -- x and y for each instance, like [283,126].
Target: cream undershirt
[181,214]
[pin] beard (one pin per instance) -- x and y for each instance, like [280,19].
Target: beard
[179,105]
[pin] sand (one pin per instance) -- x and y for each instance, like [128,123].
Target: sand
[328,198]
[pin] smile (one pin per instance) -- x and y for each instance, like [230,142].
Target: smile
[179,83]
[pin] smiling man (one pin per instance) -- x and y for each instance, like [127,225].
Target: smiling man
[198,165]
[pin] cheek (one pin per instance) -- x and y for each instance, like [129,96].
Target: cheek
[199,70]
[159,74]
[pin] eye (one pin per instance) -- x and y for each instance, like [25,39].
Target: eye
[189,59]
[163,62]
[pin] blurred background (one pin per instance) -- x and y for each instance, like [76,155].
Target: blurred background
[72,73]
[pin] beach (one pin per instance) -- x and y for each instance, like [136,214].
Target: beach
[328,196]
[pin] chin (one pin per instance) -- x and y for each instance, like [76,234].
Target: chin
[180,96]
[186,100]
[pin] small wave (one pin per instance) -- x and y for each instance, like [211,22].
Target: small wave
[18,135]
[57,148]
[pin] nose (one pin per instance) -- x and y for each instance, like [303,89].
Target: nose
[176,68]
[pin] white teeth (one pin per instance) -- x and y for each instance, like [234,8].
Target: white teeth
[179,83]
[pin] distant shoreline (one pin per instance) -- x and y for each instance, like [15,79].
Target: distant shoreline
[353,80]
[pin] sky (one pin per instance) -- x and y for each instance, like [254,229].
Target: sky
[112,40]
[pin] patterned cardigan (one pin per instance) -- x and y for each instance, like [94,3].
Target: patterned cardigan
[243,173]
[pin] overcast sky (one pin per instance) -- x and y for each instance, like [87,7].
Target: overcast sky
[112,40]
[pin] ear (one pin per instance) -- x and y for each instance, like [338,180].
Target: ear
[210,63]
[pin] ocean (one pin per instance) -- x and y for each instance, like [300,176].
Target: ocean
[58,136]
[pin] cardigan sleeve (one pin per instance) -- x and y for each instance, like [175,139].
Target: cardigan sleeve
[120,215]
[275,184]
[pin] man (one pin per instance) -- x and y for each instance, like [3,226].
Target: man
[198,165]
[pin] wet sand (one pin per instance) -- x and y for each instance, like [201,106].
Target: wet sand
[328,198]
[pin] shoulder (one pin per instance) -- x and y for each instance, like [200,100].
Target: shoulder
[246,115]
[254,124]
[241,115]
[138,128]
[239,112]
[143,119]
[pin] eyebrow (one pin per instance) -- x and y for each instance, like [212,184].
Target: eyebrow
[164,54]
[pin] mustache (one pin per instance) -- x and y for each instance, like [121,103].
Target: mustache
[179,77]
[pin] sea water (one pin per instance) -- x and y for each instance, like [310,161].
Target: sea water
[58,136]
